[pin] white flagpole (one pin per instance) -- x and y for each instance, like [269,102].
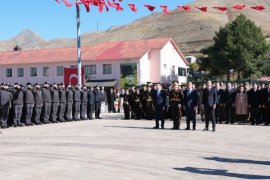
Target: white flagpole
[79,63]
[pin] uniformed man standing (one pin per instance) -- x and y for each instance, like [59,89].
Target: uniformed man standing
[17,102]
[62,103]
[126,100]
[84,94]
[5,103]
[55,103]
[159,101]
[98,99]
[149,103]
[38,104]
[69,96]
[137,104]
[47,102]
[77,103]
[176,98]
[90,103]
[29,102]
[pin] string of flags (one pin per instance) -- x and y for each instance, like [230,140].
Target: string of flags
[117,5]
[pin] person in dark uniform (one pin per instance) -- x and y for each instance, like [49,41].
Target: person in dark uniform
[47,102]
[111,98]
[159,102]
[149,110]
[126,101]
[254,104]
[132,103]
[137,104]
[62,103]
[90,103]
[267,106]
[17,103]
[210,103]
[98,99]
[29,102]
[190,104]
[77,103]
[69,96]
[84,94]
[5,104]
[38,104]
[176,99]
[55,103]
[263,102]
[143,93]
[229,100]
[220,109]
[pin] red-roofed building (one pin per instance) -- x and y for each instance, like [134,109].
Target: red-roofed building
[138,61]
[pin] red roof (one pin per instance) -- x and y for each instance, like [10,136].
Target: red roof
[105,51]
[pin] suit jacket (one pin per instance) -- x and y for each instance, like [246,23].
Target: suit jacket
[159,100]
[209,97]
[254,98]
[190,99]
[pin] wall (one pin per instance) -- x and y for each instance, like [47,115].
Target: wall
[143,69]
[170,57]
[154,56]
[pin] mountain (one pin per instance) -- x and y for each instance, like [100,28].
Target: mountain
[191,30]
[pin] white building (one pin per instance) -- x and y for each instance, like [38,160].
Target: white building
[191,59]
[152,60]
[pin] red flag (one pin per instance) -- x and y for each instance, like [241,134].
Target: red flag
[186,8]
[259,8]
[68,4]
[165,10]
[118,7]
[120,0]
[238,6]
[57,1]
[204,9]
[133,7]
[220,8]
[86,3]
[149,7]
[110,4]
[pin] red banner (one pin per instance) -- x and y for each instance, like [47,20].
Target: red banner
[71,76]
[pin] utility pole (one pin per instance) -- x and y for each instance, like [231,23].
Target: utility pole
[79,63]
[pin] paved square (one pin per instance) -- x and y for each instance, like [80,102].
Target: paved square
[127,149]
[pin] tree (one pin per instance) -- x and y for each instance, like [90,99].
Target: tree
[240,46]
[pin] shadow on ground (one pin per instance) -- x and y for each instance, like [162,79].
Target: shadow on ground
[244,161]
[220,172]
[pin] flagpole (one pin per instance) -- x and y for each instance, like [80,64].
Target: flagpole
[79,63]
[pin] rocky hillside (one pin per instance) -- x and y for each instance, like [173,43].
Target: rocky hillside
[192,30]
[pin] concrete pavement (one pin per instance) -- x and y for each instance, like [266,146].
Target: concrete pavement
[115,149]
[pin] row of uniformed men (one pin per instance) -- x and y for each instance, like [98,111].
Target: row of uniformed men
[48,103]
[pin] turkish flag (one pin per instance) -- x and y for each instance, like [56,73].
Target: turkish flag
[259,8]
[68,4]
[186,8]
[118,7]
[149,7]
[71,76]
[86,3]
[204,9]
[165,10]
[220,8]
[133,7]
[238,6]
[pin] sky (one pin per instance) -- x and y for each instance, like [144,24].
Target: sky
[50,19]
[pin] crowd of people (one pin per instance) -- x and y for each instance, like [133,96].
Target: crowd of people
[219,103]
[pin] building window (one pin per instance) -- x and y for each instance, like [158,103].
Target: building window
[90,69]
[9,72]
[182,72]
[173,69]
[20,72]
[46,71]
[33,71]
[107,69]
[60,70]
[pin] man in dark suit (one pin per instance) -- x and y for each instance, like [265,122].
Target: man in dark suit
[209,103]
[254,104]
[190,104]
[90,103]
[159,102]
